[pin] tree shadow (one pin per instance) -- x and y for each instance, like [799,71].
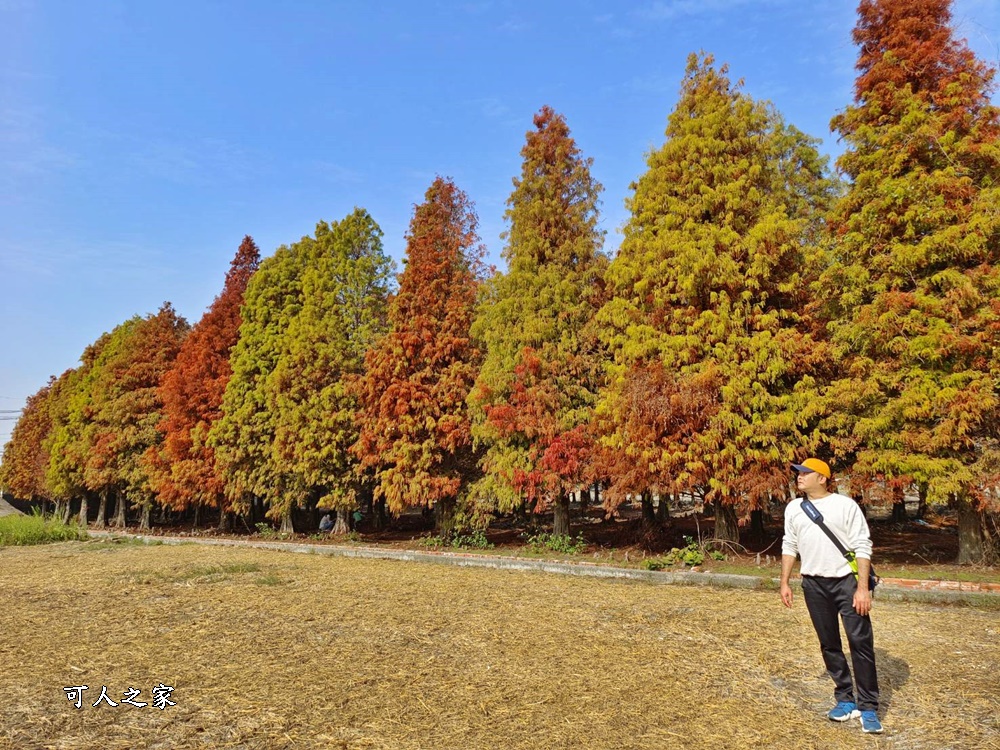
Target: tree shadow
[893,674]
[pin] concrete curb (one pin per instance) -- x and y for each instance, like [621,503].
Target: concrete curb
[937,592]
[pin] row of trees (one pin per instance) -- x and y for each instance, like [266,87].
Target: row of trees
[757,310]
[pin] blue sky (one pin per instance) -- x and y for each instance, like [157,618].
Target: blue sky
[140,141]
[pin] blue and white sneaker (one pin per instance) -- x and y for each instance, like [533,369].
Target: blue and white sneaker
[870,723]
[843,711]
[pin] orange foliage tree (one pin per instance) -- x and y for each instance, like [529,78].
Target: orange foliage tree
[413,421]
[125,408]
[912,297]
[183,470]
[25,457]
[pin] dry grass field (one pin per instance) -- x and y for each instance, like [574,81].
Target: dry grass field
[266,649]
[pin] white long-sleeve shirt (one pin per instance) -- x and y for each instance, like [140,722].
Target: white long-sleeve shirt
[820,556]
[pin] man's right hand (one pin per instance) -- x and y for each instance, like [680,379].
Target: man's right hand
[786,594]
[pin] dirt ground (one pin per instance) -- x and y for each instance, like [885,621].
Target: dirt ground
[264,649]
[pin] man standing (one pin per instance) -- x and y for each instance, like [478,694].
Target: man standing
[832,590]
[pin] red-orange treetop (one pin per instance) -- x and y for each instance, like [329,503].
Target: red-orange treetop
[184,468]
[414,425]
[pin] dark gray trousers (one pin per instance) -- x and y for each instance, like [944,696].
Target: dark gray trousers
[829,600]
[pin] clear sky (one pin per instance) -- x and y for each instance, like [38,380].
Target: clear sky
[140,141]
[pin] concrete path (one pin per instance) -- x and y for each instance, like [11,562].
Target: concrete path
[6,509]
[894,589]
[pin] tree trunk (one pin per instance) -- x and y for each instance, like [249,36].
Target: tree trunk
[82,518]
[120,512]
[726,524]
[342,524]
[145,523]
[898,506]
[991,537]
[68,511]
[287,525]
[560,515]
[57,512]
[378,515]
[102,511]
[444,517]
[225,521]
[971,549]
[197,514]
[663,508]
[648,513]
[922,500]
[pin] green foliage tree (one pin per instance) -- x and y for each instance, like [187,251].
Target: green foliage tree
[415,432]
[311,312]
[243,436]
[534,395]
[71,439]
[913,298]
[707,309]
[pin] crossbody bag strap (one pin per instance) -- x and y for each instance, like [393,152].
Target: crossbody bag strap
[816,517]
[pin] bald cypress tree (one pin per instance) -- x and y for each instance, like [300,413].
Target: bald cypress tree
[312,310]
[414,422]
[25,457]
[183,469]
[707,315]
[70,442]
[243,435]
[534,396]
[128,405]
[343,313]
[914,295]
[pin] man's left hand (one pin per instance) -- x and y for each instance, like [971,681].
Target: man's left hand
[862,602]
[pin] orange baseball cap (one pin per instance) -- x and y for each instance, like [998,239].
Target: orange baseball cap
[813,464]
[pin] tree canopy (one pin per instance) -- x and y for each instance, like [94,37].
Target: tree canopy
[312,311]
[708,297]
[414,427]
[913,294]
[757,310]
[533,397]
[25,458]
[183,468]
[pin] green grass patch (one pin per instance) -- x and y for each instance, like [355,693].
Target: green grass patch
[215,573]
[18,530]
[195,575]
[561,543]
[118,542]
[269,579]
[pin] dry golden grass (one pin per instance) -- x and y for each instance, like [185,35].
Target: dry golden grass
[273,650]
